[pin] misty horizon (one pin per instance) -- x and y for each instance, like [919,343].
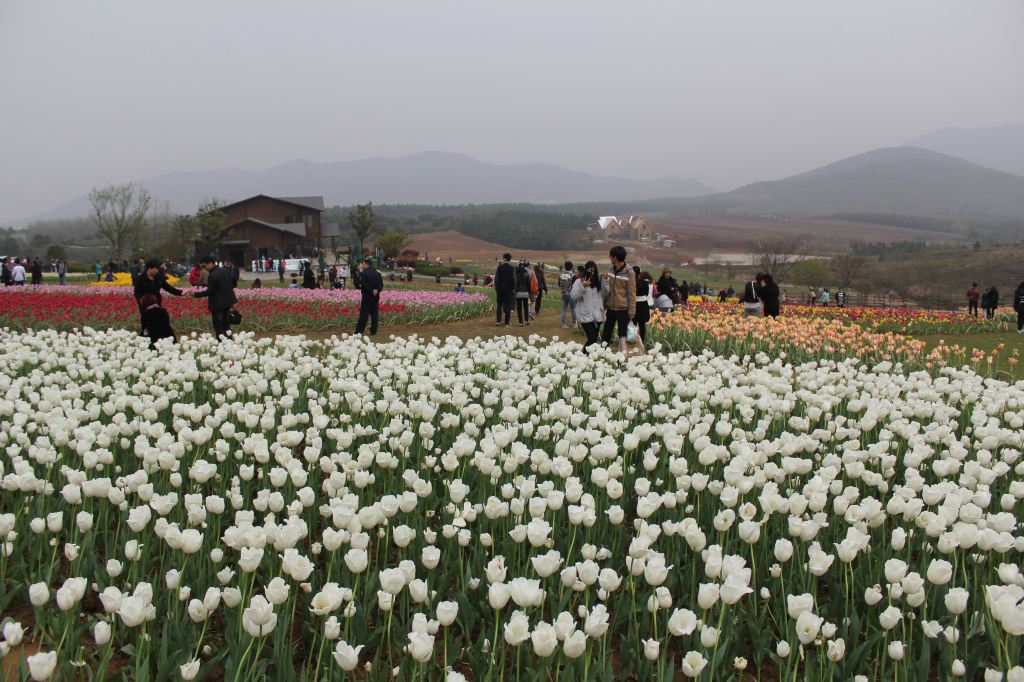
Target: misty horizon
[704,92]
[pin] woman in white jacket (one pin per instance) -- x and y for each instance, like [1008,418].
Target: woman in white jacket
[586,292]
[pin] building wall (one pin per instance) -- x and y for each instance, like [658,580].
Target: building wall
[260,237]
[271,210]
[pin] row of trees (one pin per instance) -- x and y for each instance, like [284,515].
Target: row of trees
[787,260]
[126,218]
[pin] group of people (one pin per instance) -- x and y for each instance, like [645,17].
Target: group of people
[149,280]
[614,299]
[987,300]
[15,271]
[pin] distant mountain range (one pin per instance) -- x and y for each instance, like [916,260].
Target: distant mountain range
[426,178]
[896,180]
[999,147]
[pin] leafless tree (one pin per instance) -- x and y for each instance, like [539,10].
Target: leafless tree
[847,268]
[119,213]
[776,255]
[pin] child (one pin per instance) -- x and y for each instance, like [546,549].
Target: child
[156,324]
[295,281]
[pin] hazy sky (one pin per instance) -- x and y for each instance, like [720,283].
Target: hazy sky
[725,92]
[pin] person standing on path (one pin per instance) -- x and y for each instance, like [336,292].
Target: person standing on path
[62,271]
[280,269]
[18,273]
[37,272]
[618,286]
[824,297]
[371,284]
[524,286]
[219,294]
[1018,306]
[973,295]
[993,303]
[566,279]
[542,288]
[504,289]
[589,303]
[98,269]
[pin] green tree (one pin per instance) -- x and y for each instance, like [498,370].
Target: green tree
[119,214]
[55,251]
[206,229]
[10,246]
[812,272]
[392,243]
[39,241]
[363,222]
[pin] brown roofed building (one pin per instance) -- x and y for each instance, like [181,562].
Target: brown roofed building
[262,227]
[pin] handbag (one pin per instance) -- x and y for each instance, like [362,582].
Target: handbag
[234,317]
[631,332]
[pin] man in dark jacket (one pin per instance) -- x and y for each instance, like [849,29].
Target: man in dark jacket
[505,289]
[371,284]
[219,294]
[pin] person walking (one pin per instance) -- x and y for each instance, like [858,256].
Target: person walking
[589,302]
[769,295]
[566,279]
[504,289]
[840,299]
[542,287]
[752,304]
[371,284]
[219,294]
[618,286]
[37,272]
[18,273]
[5,272]
[973,295]
[812,296]
[524,291]
[151,281]
[824,297]
[643,302]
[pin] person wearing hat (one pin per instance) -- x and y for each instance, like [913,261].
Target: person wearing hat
[151,281]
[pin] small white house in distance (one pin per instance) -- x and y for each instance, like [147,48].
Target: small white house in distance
[633,228]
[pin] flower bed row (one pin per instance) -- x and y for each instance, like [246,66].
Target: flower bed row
[804,333]
[265,310]
[339,510]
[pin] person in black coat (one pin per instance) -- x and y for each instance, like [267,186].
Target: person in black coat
[643,302]
[152,281]
[370,284]
[505,289]
[308,279]
[219,294]
[768,292]
[156,323]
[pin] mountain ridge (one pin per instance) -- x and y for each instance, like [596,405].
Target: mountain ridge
[429,177]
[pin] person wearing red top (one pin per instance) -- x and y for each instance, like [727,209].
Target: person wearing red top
[973,295]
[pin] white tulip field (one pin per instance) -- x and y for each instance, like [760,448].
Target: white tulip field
[506,509]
